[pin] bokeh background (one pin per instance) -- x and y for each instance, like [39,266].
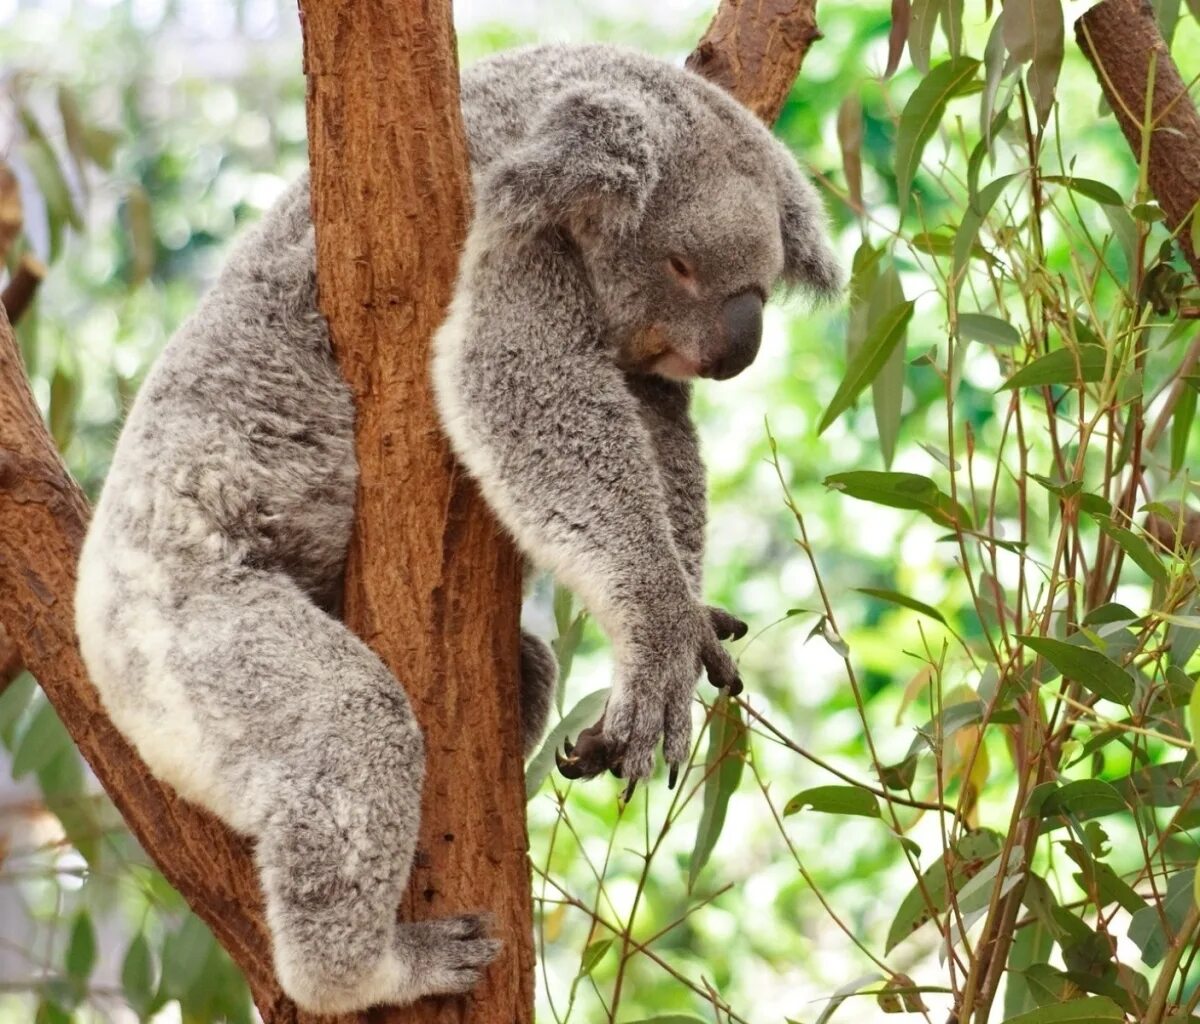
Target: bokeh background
[145,134]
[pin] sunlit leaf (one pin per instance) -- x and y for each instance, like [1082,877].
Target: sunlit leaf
[922,114]
[723,765]
[885,335]
[1062,366]
[1181,428]
[583,714]
[593,955]
[853,800]
[902,490]
[1033,33]
[844,993]
[1136,548]
[994,57]
[1098,673]
[1111,612]
[81,949]
[1081,799]
[920,32]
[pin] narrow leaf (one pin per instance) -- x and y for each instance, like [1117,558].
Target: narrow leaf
[835,800]
[902,490]
[1062,366]
[972,221]
[989,330]
[884,336]
[922,114]
[1104,194]
[723,764]
[901,16]
[1033,33]
[582,715]
[905,601]
[850,135]
[887,389]
[1092,669]
[920,34]
[1090,1010]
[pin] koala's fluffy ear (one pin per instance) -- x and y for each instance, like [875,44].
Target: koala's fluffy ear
[808,262]
[588,163]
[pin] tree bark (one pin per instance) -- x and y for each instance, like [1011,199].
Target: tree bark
[432,585]
[1119,37]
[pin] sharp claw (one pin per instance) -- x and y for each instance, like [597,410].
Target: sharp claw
[568,766]
[568,747]
[740,630]
[673,777]
[629,791]
[736,687]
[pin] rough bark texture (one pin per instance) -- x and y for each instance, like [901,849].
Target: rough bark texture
[10,659]
[1118,37]
[754,49]
[433,587]
[430,584]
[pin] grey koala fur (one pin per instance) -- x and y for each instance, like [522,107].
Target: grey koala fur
[208,584]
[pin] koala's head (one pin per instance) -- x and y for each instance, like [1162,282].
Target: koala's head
[687,213]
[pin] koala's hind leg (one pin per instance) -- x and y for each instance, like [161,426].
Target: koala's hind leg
[333,877]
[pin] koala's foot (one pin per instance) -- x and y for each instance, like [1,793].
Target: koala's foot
[445,956]
[656,703]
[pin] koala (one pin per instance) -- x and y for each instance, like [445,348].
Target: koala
[630,221]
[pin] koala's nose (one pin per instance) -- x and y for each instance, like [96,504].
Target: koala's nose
[741,322]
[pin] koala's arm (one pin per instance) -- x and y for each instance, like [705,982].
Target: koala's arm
[541,415]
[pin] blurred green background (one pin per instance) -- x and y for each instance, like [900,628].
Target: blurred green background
[144,134]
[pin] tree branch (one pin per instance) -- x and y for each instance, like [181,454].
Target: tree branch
[1119,37]
[455,579]
[22,287]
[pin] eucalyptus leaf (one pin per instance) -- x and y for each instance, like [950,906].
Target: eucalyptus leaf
[885,335]
[923,113]
[850,800]
[1062,366]
[583,714]
[723,765]
[989,330]
[1098,673]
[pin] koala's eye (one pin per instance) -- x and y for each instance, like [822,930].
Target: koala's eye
[682,271]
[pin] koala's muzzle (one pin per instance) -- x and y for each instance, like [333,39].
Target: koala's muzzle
[741,330]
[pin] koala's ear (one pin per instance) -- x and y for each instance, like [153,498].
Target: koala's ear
[808,261]
[589,163]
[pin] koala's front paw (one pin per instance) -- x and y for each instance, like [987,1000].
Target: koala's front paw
[653,701]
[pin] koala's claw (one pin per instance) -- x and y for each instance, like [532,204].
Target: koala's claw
[673,777]
[589,755]
[628,794]
[726,626]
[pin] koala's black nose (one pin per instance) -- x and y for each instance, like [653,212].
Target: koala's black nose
[741,322]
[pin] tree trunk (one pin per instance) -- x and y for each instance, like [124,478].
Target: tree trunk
[1119,37]
[432,585]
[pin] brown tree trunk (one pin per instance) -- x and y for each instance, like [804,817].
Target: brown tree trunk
[432,586]
[1119,37]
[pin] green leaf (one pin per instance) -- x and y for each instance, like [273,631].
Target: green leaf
[1033,33]
[723,764]
[1098,673]
[1137,549]
[886,333]
[1062,366]
[922,114]
[64,397]
[1181,428]
[137,975]
[41,742]
[974,851]
[1111,612]
[1081,799]
[583,714]
[993,71]
[1146,926]
[13,701]
[989,330]
[1104,194]
[835,800]
[184,954]
[844,993]
[887,387]
[81,949]
[920,33]
[972,221]
[1090,1010]
[593,955]
[1032,946]
[902,490]
[904,601]
[1194,717]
